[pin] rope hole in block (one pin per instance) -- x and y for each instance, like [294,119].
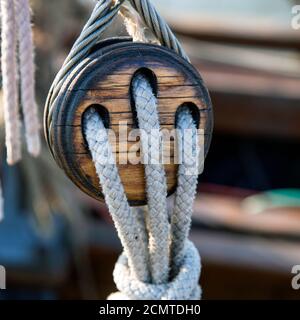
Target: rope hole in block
[104,115]
[152,79]
[102,112]
[194,111]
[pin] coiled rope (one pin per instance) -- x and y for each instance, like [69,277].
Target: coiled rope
[158,261]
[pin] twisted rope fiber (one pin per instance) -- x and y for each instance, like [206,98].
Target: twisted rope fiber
[182,287]
[16,30]
[10,81]
[126,222]
[9,86]
[158,25]
[186,186]
[26,57]
[156,184]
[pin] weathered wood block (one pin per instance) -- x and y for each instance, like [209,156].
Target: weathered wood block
[103,80]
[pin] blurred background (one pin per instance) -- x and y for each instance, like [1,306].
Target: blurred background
[57,243]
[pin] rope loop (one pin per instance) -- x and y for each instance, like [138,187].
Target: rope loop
[183,287]
[142,271]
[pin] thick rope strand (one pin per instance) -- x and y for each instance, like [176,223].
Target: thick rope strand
[10,81]
[187,267]
[26,57]
[184,285]
[155,22]
[156,183]
[187,180]
[158,25]
[126,222]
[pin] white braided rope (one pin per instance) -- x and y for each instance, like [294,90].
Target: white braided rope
[26,60]
[186,186]
[184,286]
[10,81]
[126,222]
[186,260]
[156,183]
[18,73]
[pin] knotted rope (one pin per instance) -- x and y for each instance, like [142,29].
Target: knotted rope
[182,287]
[132,284]
[18,75]
[158,261]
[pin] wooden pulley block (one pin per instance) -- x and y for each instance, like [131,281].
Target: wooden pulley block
[103,80]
